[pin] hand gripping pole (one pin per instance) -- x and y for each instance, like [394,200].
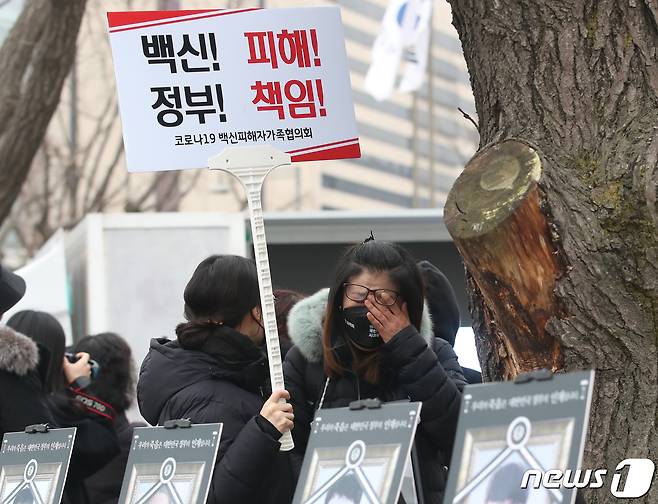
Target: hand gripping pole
[251,165]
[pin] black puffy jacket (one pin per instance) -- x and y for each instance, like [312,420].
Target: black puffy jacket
[444,310]
[179,383]
[420,368]
[24,402]
[104,486]
[22,399]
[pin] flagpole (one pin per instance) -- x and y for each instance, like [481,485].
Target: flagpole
[430,108]
[414,133]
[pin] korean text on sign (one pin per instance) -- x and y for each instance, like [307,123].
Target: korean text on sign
[208,75]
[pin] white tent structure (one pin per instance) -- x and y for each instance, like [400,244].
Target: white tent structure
[46,284]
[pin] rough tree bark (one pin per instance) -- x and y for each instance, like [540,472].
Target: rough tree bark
[556,216]
[35,60]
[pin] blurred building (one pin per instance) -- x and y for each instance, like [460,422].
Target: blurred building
[413,146]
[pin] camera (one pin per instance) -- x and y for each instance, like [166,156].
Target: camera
[95,367]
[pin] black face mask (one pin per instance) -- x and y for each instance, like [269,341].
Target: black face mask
[359,329]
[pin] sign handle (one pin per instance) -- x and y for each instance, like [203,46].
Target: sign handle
[251,165]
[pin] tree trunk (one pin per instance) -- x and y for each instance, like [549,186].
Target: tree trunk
[556,216]
[168,195]
[35,60]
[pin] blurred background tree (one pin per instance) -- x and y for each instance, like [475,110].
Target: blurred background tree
[35,59]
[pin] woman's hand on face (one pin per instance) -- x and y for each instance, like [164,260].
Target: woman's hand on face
[278,412]
[77,369]
[388,320]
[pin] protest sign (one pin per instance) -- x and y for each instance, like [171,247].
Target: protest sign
[33,467]
[506,430]
[358,456]
[171,466]
[242,91]
[191,83]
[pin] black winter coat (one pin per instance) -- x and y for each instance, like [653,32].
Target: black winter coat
[104,486]
[96,443]
[427,373]
[22,399]
[444,310]
[24,402]
[179,383]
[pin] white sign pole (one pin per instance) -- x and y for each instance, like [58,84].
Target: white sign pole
[251,165]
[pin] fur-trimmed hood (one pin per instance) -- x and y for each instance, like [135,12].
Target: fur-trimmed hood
[18,353]
[305,322]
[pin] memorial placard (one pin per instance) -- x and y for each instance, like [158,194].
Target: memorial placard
[170,465]
[357,456]
[509,435]
[34,466]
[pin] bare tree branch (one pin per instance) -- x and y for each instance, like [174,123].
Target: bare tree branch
[35,60]
[42,226]
[238,192]
[102,133]
[167,194]
[97,203]
[191,185]
[466,116]
[74,176]
[136,204]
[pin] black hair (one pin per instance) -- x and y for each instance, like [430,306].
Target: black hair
[378,256]
[222,290]
[115,383]
[505,485]
[441,301]
[48,334]
[347,486]
[284,300]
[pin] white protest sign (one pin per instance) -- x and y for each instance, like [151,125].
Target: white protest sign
[191,83]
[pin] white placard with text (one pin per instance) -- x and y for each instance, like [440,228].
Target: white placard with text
[191,83]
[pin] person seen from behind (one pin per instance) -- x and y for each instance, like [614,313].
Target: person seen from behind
[217,371]
[444,310]
[115,385]
[284,300]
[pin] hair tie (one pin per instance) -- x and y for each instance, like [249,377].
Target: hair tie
[370,238]
[207,323]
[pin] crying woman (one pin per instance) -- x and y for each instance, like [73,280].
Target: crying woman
[370,336]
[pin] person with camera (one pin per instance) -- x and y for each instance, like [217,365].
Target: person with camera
[217,371]
[57,388]
[114,384]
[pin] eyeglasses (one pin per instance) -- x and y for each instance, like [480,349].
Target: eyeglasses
[359,293]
